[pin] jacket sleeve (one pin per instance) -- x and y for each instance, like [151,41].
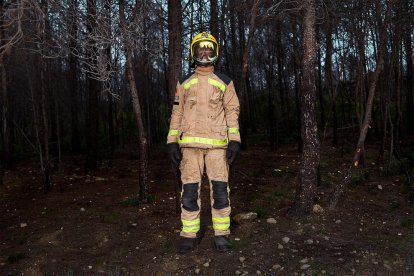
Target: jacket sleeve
[177,113]
[232,110]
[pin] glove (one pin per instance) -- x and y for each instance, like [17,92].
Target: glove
[174,153]
[233,150]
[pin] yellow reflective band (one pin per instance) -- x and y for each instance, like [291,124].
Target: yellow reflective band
[173,132]
[221,86]
[191,229]
[222,227]
[189,83]
[191,226]
[194,222]
[201,140]
[234,130]
[221,220]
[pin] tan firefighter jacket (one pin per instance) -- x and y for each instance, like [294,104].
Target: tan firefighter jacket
[206,110]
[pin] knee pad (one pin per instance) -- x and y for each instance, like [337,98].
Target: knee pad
[190,196]
[220,195]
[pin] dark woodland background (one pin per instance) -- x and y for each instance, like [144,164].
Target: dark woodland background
[96,78]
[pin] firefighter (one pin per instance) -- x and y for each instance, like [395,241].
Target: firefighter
[204,131]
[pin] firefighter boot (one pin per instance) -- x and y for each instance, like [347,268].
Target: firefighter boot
[189,244]
[221,243]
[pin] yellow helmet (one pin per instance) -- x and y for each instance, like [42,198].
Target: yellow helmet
[203,49]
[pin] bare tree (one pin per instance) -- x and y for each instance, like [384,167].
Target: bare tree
[340,188]
[308,168]
[143,144]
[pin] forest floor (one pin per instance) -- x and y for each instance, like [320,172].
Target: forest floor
[90,224]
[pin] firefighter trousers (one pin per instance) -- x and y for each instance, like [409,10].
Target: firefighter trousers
[192,169]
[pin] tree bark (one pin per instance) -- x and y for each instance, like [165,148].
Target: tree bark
[73,80]
[410,74]
[214,30]
[143,143]
[308,169]
[329,78]
[174,48]
[93,100]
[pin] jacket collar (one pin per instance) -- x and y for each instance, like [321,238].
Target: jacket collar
[204,70]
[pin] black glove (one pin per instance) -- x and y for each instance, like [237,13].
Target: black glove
[174,153]
[233,150]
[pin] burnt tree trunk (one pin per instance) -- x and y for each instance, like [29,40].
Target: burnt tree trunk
[93,99]
[410,75]
[340,188]
[308,169]
[214,29]
[174,48]
[329,79]
[143,143]
[73,80]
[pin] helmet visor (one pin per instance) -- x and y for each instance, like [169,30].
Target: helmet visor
[205,51]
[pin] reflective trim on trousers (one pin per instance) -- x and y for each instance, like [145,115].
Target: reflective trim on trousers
[222,224]
[191,226]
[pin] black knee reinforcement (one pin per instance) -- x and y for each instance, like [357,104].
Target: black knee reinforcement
[220,195]
[190,196]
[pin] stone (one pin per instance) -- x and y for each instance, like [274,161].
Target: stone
[242,259]
[245,217]
[309,241]
[317,209]
[23,224]
[271,221]
[277,266]
[305,266]
[207,264]
[285,239]
[304,261]
[279,246]
[197,270]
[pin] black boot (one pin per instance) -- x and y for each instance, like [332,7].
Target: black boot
[222,243]
[189,244]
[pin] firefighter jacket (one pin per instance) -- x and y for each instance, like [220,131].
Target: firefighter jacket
[206,110]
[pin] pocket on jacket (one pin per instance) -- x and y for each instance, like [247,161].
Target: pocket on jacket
[216,97]
[191,102]
[214,104]
[220,132]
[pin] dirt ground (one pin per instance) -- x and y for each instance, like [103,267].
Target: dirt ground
[92,225]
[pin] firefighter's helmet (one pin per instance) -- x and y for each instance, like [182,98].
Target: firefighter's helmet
[204,49]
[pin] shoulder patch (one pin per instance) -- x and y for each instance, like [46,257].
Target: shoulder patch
[223,77]
[186,77]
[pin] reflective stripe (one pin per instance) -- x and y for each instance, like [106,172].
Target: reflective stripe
[194,222]
[189,83]
[221,220]
[191,226]
[222,227]
[222,223]
[234,130]
[173,132]
[221,86]
[201,140]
